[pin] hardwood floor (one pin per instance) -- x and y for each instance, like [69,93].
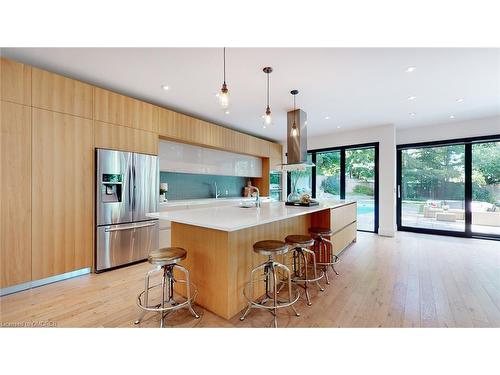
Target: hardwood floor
[412,280]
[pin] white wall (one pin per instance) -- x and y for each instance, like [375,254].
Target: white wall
[386,136]
[459,129]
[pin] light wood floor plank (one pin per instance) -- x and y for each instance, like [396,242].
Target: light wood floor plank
[412,280]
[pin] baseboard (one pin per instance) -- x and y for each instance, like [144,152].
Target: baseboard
[386,232]
[47,280]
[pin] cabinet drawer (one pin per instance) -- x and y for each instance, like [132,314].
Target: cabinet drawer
[343,238]
[342,216]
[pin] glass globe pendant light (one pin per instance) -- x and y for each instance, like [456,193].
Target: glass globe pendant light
[224,92]
[267,115]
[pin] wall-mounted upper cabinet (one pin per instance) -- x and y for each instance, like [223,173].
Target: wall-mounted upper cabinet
[15,82]
[123,138]
[275,155]
[121,110]
[185,158]
[60,94]
[180,127]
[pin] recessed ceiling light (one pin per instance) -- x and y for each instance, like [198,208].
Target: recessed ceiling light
[412,97]
[410,69]
[165,87]
[460,100]
[217,95]
[226,112]
[412,113]
[452,116]
[327,118]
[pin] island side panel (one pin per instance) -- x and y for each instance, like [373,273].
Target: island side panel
[207,262]
[342,221]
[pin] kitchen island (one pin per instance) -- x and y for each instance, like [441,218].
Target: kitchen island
[219,242]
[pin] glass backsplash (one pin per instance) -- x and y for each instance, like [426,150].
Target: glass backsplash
[198,186]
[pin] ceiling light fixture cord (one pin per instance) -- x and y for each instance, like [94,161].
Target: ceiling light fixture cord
[224,65]
[267,90]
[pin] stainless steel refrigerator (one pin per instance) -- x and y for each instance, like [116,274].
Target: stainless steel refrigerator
[126,190]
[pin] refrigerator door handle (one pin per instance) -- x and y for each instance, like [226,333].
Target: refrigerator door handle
[129,227]
[134,190]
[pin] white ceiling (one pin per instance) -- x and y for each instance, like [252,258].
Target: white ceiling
[355,87]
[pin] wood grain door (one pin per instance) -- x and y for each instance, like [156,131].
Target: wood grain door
[62,193]
[15,192]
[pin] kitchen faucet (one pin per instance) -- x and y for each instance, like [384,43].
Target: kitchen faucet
[216,191]
[257,198]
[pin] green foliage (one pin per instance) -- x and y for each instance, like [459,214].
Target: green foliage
[328,163]
[486,163]
[438,172]
[360,164]
[331,185]
[363,190]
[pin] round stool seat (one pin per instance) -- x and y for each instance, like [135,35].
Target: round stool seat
[167,256]
[319,231]
[300,240]
[270,247]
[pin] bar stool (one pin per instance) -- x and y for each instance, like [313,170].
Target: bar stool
[166,260]
[270,248]
[324,249]
[300,244]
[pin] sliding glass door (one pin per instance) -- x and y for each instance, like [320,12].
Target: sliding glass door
[360,184]
[485,206]
[433,187]
[450,187]
[348,172]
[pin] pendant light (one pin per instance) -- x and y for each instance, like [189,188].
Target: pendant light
[295,130]
[267,116]
[224,92]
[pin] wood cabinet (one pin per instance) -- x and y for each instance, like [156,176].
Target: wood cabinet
[275,156]
[123,138]
[60,94]
[118,109]
[343,216]
[62,193]
[15,82]
[15,192]
[179,127]
[344,237]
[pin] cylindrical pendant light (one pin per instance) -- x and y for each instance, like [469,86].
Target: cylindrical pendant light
[224,92]
[267,115]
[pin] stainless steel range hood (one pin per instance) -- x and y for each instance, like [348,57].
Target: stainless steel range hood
[297,144]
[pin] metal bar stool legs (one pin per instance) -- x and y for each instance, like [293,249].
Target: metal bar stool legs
[271,279]
[166,261]
[300,247]
[324,249]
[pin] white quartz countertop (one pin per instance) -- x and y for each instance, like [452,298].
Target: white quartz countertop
[232,218]
[201,201]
